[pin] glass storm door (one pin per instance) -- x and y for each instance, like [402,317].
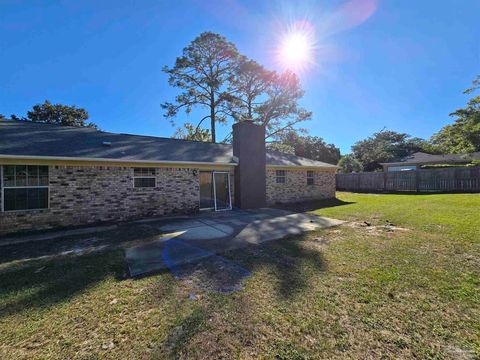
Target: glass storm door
[215,191]
[221,190]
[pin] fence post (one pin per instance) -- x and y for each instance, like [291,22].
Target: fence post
[456,183]
[417,180]
[477,177]
[384,180]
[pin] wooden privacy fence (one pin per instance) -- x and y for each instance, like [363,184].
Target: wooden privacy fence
[455,179]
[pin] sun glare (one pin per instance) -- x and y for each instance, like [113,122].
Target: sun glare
[296,49]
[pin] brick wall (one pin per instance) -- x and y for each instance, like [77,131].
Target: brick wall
[295,188]
[81,195]
[90,194]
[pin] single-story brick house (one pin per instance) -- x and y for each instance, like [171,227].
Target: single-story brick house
[419,159]
[57,176]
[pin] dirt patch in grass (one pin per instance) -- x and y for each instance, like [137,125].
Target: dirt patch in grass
[371,229]
[212,274]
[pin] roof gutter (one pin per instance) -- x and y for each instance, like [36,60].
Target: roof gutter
[67,158]
[431,162]
[303,166]
[168,162]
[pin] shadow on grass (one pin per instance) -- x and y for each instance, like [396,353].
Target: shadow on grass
[75,243]
[44,283]
[290,267]
[41,284]
[313,205]
[291,262]
[183,331]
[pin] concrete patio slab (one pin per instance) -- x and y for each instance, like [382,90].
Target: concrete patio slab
[236,222]
[181,225]
[185,240]
[145,258]
[203,232]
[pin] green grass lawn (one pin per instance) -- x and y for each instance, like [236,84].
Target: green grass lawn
[348,292]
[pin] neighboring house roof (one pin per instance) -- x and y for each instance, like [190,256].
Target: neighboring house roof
[38,140]
[424,158]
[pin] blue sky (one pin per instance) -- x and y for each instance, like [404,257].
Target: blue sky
[397,64]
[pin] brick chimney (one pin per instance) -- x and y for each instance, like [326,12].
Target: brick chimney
[250,174]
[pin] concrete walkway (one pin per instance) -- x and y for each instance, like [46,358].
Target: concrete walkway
[183,240]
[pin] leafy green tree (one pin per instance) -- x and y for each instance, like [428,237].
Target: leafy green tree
[266,97]
[250,81]
[213,75]
[202,73]
[463,136]
[310,147]
[12,117]
[281,111]
[190,132]
[57,114]
[281,147]
[385,146]
[348,164]
[316,148]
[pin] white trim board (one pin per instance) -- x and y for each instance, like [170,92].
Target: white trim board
[66,158]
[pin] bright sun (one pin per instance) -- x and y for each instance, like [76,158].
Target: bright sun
[296,49]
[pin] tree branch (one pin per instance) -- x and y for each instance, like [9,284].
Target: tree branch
[289,125]
[200,123]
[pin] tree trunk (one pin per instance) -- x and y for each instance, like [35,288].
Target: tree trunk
[212,115]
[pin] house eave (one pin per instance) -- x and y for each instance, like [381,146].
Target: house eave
[127,162]
[110,161]
[302,167]
[426,163]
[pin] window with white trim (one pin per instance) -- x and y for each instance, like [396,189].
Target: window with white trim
[310,177]
[25,187]
[280,176]
[144,177]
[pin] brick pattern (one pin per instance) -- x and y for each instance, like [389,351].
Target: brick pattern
[91,194]
[295,188]
[81,195]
